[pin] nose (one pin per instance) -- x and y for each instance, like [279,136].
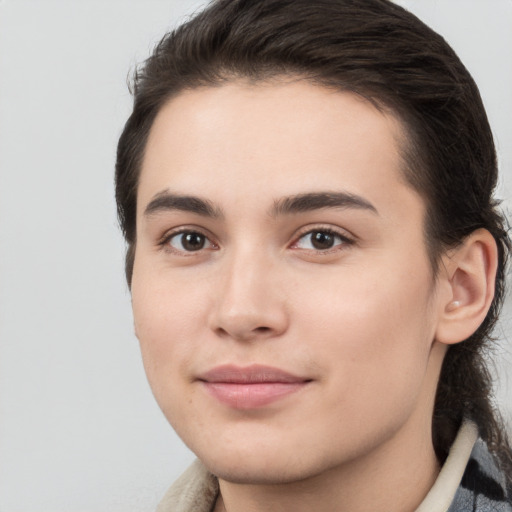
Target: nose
[250,303]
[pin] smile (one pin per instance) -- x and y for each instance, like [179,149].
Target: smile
[250,387]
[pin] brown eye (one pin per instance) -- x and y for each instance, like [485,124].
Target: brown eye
[189,241]
[321,240]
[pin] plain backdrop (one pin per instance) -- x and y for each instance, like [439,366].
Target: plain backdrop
[79,429]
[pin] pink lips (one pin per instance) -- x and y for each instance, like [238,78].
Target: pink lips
[250,387]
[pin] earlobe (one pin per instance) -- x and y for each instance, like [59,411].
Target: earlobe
[469,273]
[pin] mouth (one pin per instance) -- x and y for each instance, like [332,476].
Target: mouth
[250,387]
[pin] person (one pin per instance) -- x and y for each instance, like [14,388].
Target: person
[316,260]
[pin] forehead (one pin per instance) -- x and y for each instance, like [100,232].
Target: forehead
[271,139]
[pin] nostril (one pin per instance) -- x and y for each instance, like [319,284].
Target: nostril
[245,335]
[221,332]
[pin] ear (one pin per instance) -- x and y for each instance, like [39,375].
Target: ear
[467,277]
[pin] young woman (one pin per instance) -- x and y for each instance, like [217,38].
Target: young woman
[316,260]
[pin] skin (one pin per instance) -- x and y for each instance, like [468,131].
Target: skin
[359,320]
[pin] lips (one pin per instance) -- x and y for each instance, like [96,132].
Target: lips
[250,387]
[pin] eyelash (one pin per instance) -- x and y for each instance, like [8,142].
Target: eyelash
[164,242]
[344,240]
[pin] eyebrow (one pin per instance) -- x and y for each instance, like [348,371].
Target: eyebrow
[167,201]
[300,203]
[319,200]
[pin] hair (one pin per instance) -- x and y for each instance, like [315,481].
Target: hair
[385,54]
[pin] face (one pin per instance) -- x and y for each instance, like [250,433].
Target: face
[282,292]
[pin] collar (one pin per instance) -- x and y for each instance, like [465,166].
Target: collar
[443,491]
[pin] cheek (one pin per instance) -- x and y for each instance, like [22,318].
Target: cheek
[167,325]
[366,305]
[373,331]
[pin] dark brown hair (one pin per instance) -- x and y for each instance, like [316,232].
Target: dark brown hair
[382,52]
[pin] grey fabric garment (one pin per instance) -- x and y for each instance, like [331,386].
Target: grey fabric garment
[483,487]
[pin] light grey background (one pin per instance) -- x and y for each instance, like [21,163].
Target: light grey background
[79,429]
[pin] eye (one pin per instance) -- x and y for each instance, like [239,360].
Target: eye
[320,240]
[188,241]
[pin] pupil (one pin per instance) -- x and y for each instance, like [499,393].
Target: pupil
[322,240]
[193,241]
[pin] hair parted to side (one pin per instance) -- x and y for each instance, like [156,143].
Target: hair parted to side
[382,52]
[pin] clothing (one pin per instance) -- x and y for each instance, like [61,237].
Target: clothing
[468,482]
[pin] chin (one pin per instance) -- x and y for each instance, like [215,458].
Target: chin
[252,473]
[273,464]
